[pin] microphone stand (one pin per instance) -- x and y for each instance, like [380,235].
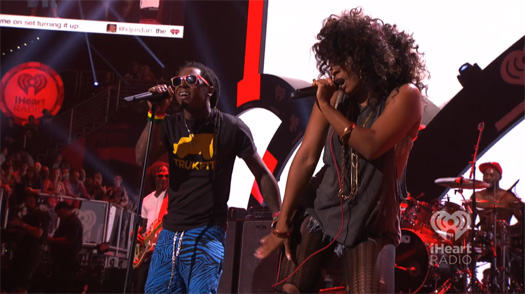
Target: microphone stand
[473,278]
[138,218]
[522,226]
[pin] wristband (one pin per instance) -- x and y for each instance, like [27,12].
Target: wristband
[275,218]
[347,132]
[157,119]
[282,235]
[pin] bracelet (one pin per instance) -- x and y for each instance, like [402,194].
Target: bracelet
[283,235]
[347,132]
[157,119]
[275,218]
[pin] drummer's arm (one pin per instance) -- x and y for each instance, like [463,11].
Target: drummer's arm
[516,206]
[518,214]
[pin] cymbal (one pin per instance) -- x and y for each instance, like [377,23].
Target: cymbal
[461,182]
[510,206]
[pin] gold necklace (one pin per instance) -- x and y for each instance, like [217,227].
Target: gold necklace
[354,168]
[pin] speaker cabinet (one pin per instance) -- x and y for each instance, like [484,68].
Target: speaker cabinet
[256,276]
[230,266]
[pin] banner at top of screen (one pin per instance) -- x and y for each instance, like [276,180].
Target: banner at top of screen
[91,26]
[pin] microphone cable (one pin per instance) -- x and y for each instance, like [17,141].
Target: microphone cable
[338,233]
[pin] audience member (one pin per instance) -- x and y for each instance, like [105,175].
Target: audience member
[5,192]
[64,174]
[82,175]
[8,174]
[21,172]
[44,173]
[134,72]
[60,162]
[31,133]
[10,134]
[46,130]
[38,168]
[3,154]
[54,185]
[65,245]
[95,188]
[36,5]
[32,180]
[26,157]
[49,205]
[147,74]
[75,188]
[45,119]
[31,233]
[108,82]
[117,194]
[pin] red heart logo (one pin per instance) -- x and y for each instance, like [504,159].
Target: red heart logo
[175,31]
[172,31]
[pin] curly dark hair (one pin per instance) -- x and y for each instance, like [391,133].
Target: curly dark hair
[210,76]
[383,57]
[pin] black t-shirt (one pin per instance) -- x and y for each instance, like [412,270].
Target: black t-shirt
[72,229]
[201,158]
[39,219]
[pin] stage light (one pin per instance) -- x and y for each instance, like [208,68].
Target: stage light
[468,73]
[95,84]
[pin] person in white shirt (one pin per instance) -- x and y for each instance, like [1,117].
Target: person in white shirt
[154,206]
[152,203]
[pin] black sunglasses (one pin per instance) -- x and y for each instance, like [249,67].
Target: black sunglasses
[189,79]
[162,176]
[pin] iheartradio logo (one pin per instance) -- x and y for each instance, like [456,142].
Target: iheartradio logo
[443,222]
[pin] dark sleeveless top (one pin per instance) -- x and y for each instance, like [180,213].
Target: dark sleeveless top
[374,211]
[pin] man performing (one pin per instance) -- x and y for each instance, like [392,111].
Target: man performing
[202,144]
[154,207]
[495,208]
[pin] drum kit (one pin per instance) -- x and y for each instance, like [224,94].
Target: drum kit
[439,246]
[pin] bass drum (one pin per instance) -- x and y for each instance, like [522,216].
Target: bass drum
[420,268]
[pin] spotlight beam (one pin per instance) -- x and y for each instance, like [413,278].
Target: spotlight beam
[106,61]
[91,59]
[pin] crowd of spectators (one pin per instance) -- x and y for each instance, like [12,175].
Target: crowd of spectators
[19,173]
[21,177]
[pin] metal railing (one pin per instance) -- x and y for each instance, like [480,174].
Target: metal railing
[85,117]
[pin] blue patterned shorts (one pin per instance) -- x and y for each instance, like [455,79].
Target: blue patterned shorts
[188,261]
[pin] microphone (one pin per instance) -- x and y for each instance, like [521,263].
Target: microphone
[481,126]
[148,96]
[310,91]
[304,92]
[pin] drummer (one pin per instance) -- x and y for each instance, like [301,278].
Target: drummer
[494,199]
